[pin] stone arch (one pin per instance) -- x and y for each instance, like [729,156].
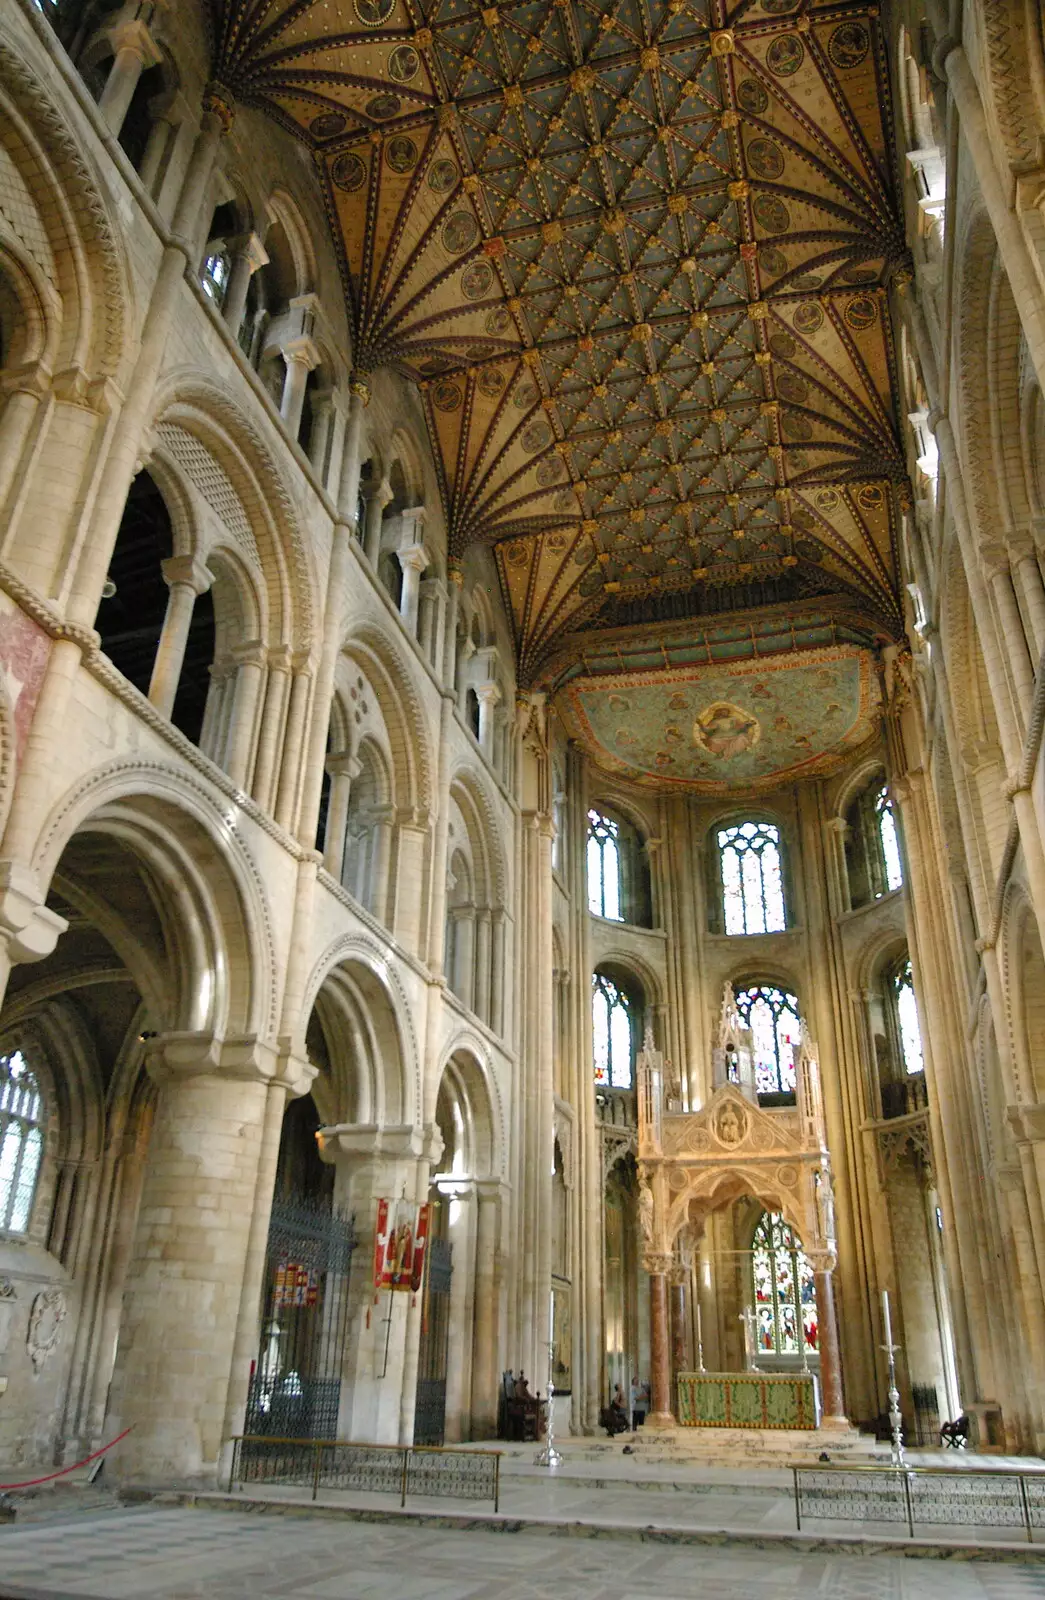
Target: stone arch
[1015,75]
[220,451]
[87,269]
[212,941]
[1022,963]
[386,667]
[641,973]
[404,449]
[359,997]
[284,210]
[466,1082]
[469,790]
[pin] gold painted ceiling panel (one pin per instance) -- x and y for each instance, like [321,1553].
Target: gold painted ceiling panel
[637,257]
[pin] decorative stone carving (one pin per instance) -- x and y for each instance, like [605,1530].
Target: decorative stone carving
[730,1125]
[45,1326]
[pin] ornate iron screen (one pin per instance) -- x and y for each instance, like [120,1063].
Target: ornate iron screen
[430,1402]
[295,1389]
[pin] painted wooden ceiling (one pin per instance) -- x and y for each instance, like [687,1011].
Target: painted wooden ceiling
[635,254]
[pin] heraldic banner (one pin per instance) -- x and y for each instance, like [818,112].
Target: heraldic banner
[399,1244]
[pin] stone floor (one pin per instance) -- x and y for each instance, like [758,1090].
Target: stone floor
[177,1553]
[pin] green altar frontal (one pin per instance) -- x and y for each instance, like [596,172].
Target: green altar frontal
[747,1400]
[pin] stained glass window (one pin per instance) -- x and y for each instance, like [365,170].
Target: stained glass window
[888,839]
[612,1032]
[21,1141]
[752,887]
[782,1284]
[604,867]
[772,1016]
[907,1019]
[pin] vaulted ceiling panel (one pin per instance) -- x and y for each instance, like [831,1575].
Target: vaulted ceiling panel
[636,254]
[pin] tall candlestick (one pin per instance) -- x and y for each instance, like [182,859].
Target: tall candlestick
[887,1324]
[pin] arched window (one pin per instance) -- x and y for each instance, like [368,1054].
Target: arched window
[604,867]
[613,1033]
[907,1019]
[752,885]
[772,1015]
[215,276]
[21,1141]
[888,840]
[782,1285]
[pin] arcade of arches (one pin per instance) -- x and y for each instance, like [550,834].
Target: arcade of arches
[521,676]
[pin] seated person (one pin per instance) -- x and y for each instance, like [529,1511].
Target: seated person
[615,1417]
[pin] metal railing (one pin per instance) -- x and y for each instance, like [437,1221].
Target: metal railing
[979,1497]
[374,1468]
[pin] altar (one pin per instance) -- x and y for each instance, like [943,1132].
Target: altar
[748,1400]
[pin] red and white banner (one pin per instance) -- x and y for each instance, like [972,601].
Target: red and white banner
[399,1244]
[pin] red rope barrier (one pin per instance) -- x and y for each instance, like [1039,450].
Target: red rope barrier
[31,1483]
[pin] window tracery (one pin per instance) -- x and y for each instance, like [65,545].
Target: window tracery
[773,1017]
[888,840]
[604,897]
[21,1141]
[907,1019]
[783,1290]
[613,1033]
[752,883]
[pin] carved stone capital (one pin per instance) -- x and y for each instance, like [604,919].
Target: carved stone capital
[29,929]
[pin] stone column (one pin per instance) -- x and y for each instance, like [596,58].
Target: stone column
[1027,573]
[301,357]
[996,566]
[270,737]
[342,769]
[486,1337]
[428,611]
[186,578]
[482,964]
[247,254]
[376,501]
[497,970]
[290,761]
[322,418]
[679,1322]
[488,694]
[661,1413]
[831,1397]
[184,1283]
[249,678]
[413,559]
[133,50]
[379,1376]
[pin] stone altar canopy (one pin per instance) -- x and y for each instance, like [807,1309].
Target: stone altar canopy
[693,1163]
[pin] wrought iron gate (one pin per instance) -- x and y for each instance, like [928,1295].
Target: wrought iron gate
[430,1402]
[295,1388]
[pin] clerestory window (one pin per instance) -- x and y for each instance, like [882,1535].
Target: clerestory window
[752,882]
[604,897]
[907,1019]
[888,840]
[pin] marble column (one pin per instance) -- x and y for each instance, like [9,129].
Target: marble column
[661,1414]
[831,1397]
[185,578]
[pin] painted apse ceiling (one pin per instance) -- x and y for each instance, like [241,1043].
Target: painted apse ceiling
[635,256]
